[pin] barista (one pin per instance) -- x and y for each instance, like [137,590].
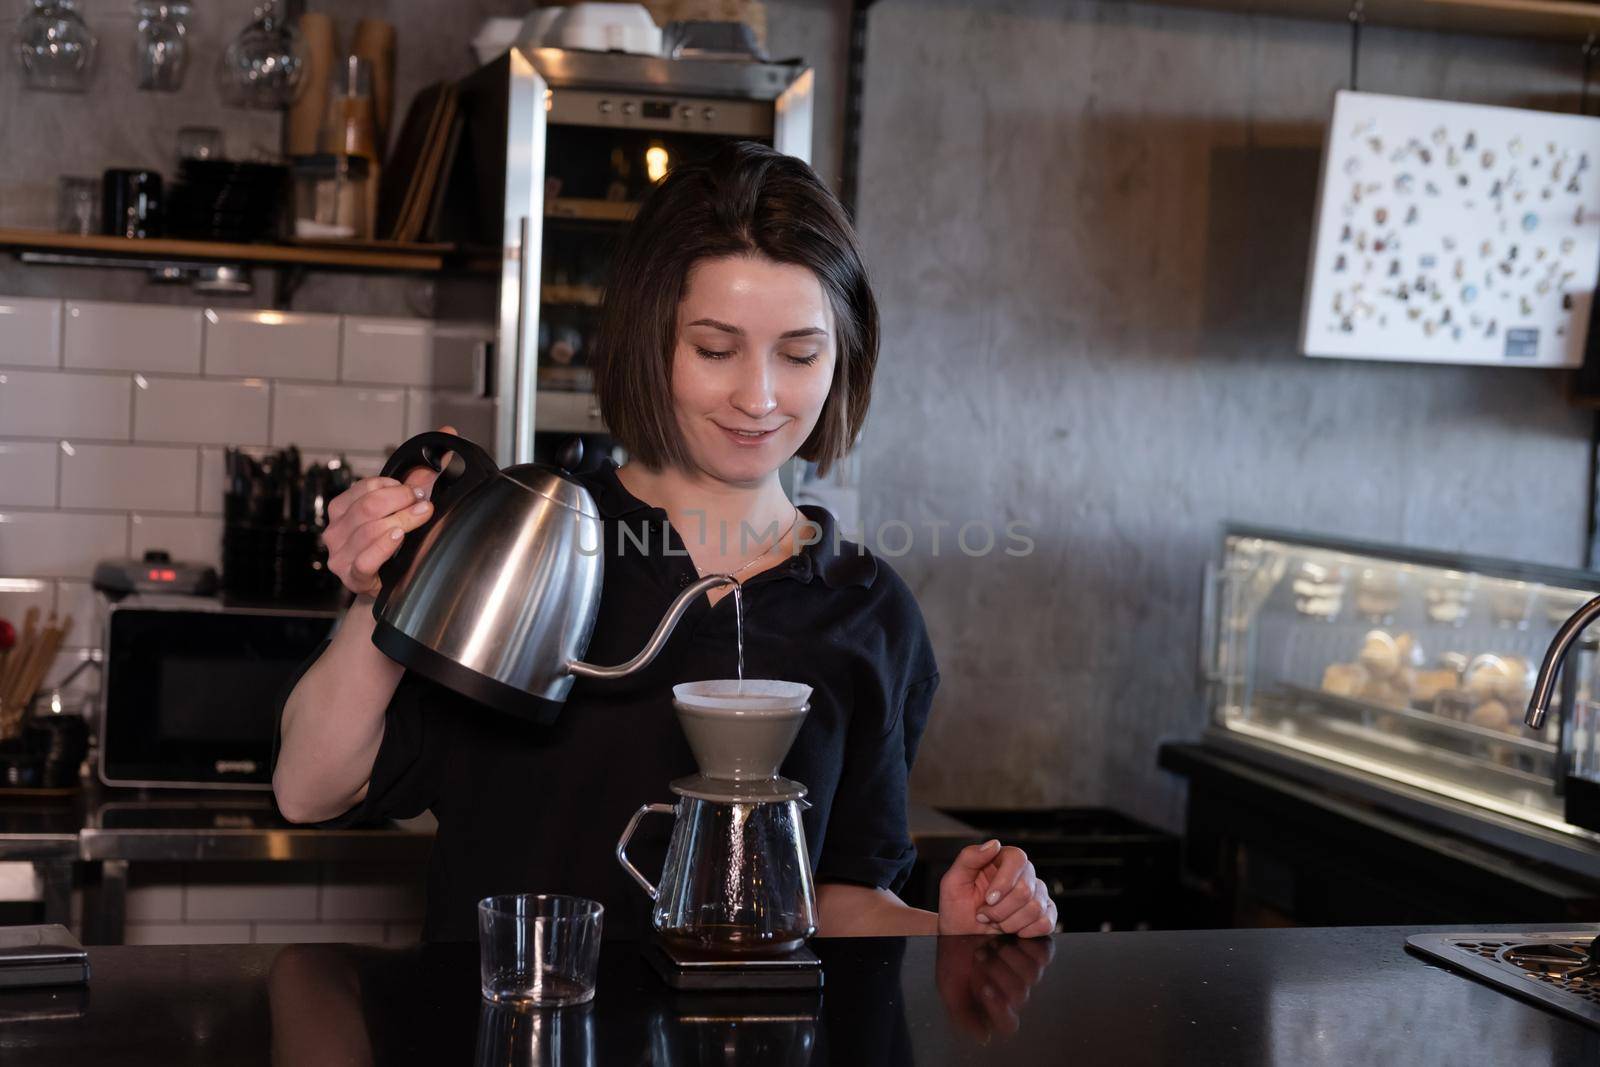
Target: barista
[738,331]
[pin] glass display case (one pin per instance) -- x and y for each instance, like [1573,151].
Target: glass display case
[1414,667]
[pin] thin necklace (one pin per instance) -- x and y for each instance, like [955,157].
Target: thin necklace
[763,554]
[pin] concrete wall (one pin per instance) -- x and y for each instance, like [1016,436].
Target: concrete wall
[1089,224]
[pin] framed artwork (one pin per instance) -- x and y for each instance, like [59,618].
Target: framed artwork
[1454,233]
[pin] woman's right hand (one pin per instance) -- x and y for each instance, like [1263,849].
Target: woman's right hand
[367,522]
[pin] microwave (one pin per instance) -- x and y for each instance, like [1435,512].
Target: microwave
[192,687]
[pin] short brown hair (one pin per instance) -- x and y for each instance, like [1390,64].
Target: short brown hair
[747,199]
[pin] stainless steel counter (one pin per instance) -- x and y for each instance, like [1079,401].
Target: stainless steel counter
[98,832]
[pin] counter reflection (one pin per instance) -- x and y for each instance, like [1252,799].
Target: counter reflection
[366,1005]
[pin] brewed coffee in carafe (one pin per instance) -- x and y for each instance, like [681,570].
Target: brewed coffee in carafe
[737,877]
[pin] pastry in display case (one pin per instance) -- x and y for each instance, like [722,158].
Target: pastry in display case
[1395,665]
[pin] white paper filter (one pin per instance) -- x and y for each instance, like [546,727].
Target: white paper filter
[756,694]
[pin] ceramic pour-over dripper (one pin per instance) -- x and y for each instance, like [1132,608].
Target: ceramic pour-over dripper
[736,882]
[740,731]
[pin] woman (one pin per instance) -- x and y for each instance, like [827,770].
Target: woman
[738,331]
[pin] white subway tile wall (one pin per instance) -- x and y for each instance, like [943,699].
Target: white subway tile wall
[311,933]
[133,337]
[387,351]
[461,357]
[186,934]
[274,903]
[128,476]
[79,600]
[58,544]
[28,474]
[19,881]
[388,892]
[273,344]
[197,411]
[472,416]
[213,486]
[114,417]
[113,421]
[30,332]
[337,416]
[233,892]
[18,595]
[43,404]
[155,893]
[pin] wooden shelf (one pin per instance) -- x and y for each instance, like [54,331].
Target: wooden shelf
[1565,20]
[590,210]
[335,255]
[575,295]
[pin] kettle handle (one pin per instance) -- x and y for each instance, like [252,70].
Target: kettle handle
[627,835]
[429,448]
[469,466]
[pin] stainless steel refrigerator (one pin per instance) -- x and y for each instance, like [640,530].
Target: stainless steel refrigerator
[555,150]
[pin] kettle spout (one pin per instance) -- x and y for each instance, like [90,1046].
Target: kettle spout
[657,639]
[1544,686]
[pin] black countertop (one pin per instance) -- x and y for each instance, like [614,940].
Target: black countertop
[1334,996]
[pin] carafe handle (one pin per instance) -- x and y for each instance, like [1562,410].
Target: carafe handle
[627,835]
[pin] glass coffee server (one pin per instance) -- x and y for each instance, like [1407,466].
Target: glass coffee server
[1401,676]
[557,148]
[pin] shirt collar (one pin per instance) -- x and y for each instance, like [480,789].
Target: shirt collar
[839,563]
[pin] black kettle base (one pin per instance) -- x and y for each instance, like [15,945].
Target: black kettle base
[681,969]
[415,656]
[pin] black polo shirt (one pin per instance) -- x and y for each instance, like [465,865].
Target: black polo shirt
[538,809]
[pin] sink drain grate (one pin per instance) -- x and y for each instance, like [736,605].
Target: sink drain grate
[1547,968]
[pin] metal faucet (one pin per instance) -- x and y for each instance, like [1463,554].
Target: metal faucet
[1544,686]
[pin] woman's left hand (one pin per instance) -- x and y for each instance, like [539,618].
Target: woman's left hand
[993,889]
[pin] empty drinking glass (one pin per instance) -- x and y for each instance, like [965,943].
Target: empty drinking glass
[55,47]
[558,1038]
[538,951]
[265,64]
[78,210]
[162,52]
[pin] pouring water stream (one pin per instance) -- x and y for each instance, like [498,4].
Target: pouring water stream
[738,628]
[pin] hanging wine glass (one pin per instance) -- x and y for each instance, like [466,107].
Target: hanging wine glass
[55,47]
[265,64]
[161,48]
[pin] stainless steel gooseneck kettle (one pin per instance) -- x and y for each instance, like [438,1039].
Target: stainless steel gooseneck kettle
[495,596]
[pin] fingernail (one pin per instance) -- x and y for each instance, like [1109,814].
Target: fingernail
[421,508]
[995,843]
[992,898]
[983,918]
[396,533]
[416,491]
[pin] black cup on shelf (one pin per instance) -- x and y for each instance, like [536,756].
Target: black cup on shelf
[61,741]
[20,766]
[273,516]
[225,200]
[130,204]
